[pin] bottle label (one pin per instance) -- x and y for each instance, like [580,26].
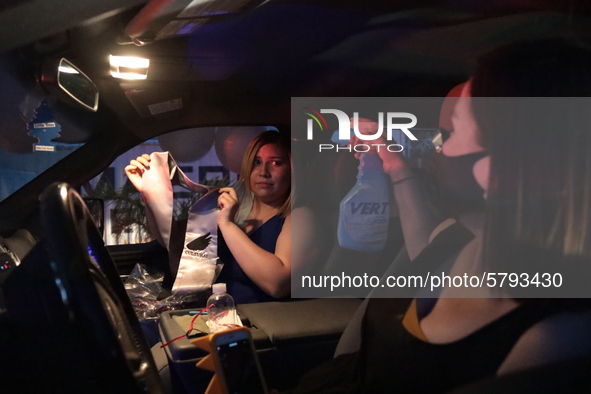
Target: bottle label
[364,212]
[369,208]
[365,221]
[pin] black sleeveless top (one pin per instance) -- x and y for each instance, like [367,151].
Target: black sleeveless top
[240,286]
[391,359]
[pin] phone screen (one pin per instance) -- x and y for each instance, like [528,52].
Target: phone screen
[239,366]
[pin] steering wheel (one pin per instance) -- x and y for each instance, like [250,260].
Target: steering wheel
[68,289]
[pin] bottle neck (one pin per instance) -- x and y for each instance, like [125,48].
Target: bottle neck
[370,164]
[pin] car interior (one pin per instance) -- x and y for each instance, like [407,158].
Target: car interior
[206,76]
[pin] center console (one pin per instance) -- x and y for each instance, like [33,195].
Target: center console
[290,337]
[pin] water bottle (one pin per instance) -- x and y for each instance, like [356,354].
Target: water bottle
[222,312]
[364,212]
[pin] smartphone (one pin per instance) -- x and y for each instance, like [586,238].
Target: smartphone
[237,362]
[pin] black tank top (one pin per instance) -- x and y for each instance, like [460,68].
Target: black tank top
[392,359]
[239,285]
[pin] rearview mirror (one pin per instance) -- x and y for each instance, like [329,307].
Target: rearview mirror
[69,84]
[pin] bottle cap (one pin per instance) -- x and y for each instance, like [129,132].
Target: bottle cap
[218,288]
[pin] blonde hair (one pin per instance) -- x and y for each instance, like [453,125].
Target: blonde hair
[265,138]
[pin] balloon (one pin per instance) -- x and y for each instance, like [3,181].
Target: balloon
[231,144]
[188,145]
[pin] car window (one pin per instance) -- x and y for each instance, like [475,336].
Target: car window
[17,169]
[41,124]
[207,155]
[36,132]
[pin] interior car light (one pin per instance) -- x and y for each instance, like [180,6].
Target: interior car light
[129,67]
[67,69]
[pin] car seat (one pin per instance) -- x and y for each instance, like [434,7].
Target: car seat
[351,338]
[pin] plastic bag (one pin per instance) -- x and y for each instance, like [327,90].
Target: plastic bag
[150,299]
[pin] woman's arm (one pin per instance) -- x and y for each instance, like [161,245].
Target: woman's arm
[135,172]
[271,272]
[417,217]
[558,338]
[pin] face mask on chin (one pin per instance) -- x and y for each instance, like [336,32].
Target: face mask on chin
[455,189]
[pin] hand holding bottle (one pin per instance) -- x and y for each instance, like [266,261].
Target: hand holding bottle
[391,162]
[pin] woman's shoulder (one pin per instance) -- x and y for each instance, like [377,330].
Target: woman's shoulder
[559,337]
[300,212]
[302,218]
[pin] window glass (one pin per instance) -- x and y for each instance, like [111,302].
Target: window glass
[19,168]
[210,156]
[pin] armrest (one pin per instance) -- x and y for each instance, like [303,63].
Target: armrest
[301,321]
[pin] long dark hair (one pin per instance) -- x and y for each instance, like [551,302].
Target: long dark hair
[539,197]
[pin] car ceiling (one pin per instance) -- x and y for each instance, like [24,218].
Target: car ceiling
[246,67]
